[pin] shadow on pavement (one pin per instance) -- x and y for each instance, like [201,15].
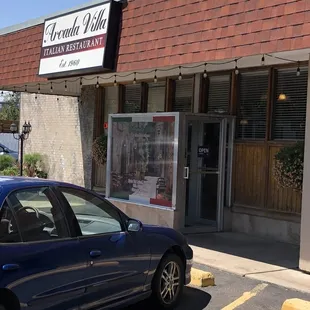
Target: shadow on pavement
[193,299]
[255,248]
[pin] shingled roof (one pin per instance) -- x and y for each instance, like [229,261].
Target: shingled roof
[158,33]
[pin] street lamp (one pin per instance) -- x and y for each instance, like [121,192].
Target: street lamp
[24,135]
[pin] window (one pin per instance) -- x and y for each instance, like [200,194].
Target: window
[183,98]
[142,160]
[7,235]
[156,97]
[110,101]
[37,216]
[289,111]
[252,107]
[132,99]
[94,215]
[219,94]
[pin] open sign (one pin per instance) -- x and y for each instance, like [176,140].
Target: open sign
[203,151]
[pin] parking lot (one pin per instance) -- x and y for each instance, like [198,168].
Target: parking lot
[232,292]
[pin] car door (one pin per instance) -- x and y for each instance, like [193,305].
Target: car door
[117,265]
[40,262]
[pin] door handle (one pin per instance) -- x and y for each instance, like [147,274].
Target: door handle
[10,267]
[95,253]
[186,173]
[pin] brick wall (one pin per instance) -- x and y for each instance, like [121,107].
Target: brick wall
[62,131]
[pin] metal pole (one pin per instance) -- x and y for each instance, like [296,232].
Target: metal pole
[21,153]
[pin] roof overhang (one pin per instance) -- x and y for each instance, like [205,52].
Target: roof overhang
[74,84]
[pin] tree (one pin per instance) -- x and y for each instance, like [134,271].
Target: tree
[10,107]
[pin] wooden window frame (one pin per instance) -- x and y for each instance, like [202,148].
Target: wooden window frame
[171,91]
[143,97]
[205,87]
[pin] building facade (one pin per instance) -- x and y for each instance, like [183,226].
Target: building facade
[233,74]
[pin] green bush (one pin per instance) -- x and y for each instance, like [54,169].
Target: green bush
[10,171]
[99,149]
[289,166]
[6,161]
[33,165]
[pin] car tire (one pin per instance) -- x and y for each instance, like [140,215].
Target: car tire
[168,282]
[2,307]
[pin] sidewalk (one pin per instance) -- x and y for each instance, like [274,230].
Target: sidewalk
[251,257]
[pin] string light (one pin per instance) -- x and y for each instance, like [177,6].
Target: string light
[236,67]
[263,60]
[155,71]
[155,76]
[180,74]
[298,70]
[205,73]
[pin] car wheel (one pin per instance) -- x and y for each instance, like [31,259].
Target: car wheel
[168,282]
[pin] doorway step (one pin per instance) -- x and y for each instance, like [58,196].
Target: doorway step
[198,229]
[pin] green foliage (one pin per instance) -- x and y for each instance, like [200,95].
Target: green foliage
[10,107]
[289,166]
[10,171]
[99,149]
[33,165]
[6,161]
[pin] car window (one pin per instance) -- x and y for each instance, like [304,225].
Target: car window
[94,215]
[37,216]
[7,235]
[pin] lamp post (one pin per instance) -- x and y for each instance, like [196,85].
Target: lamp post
[24,135]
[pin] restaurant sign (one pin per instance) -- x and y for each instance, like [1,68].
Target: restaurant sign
[83,41]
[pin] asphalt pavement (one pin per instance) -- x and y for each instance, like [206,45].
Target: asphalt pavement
[232,292]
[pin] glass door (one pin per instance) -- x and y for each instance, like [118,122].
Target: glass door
[206,171]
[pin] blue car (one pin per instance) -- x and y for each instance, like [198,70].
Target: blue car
[6,151]
[64,247]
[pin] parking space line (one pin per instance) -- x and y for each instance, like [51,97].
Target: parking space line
[246,296]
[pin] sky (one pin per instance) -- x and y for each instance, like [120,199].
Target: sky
[23,10]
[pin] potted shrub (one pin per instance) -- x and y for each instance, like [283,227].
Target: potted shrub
[100,146]
[289,166]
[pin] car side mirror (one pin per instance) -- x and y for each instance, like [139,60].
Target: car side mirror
[134,225]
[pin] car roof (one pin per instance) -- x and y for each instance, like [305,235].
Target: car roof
[11,182]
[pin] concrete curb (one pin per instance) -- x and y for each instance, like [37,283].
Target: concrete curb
[201,278]
[296,304]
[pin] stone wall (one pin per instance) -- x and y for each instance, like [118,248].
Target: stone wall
[62,131]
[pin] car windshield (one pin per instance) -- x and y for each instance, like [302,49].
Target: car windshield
[6,148]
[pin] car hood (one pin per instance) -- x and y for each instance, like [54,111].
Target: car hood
[171,233]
